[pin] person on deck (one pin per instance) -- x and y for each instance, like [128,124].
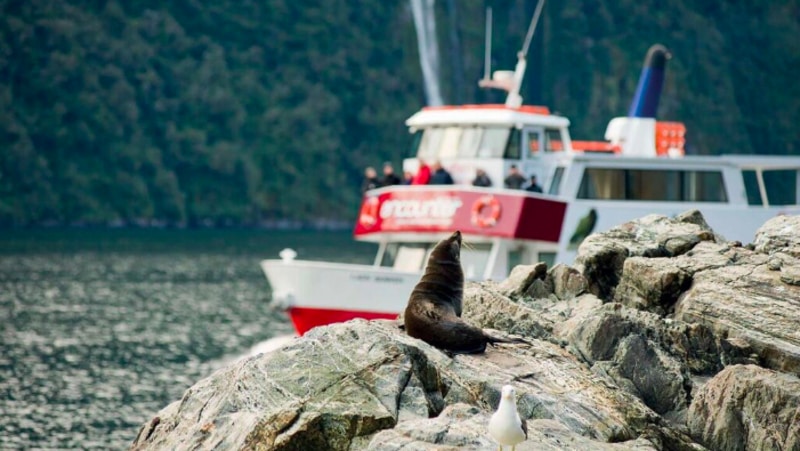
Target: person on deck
[423,175]
[389,177]
[515,179]
[481,179]
[440,175]
[534,187]
[370,179]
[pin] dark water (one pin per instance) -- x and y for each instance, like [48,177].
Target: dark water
[101,329]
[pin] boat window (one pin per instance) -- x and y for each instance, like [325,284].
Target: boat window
[552,140]
[515,258]
[405,256]
[429,144]
[555,184]
[704,186]
[602,184]
[470,140]
[416,138]
[534,144]
[652,185]
[781,186]
[548,257]
[493,142]
[751,187]
[448,148]
[513,148]
[474,260]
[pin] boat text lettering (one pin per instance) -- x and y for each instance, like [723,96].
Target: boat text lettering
[440,207]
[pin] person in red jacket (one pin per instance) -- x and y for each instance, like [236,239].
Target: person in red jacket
[423,175]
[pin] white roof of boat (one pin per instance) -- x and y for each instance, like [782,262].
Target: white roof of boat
[766,162]
[486,115]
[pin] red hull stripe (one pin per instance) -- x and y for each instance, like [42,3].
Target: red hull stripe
[304,319]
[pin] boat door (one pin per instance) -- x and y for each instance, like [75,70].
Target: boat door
[538,145]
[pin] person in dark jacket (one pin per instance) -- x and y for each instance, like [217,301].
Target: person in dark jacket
[439,175]
[370,180]
[389,177]
[534,187]
[515,179]
[481,179]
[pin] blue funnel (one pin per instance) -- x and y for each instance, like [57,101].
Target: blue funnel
[648,92]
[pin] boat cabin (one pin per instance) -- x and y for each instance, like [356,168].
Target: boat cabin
[587,187]
[489,137]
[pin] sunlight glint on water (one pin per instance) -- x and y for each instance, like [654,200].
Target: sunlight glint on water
[101,329]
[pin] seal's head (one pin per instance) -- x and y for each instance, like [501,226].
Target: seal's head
[453,245]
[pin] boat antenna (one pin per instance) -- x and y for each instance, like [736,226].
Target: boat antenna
[508,80]
[487,63]
[532,28]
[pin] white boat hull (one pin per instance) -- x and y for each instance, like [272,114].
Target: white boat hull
[319,293]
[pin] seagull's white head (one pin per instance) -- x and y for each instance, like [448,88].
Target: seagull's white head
[508,393]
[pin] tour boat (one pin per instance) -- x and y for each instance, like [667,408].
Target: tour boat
[641,168]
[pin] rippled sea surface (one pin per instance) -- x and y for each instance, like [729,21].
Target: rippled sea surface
[102,328]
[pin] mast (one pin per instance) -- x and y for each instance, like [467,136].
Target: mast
[508,80]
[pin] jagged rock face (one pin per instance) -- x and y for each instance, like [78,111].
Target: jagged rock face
[636,347]
[746,297]
[779,235]
[746,300]
[339,385]
[746,407]
[601,256]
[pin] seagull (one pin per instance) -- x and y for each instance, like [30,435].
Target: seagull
[505,426]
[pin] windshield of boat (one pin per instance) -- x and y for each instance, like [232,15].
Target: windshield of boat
[476,141]
[670,185]
[413,257]
[780,186]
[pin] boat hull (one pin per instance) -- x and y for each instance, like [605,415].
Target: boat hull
[319,293]
[307,318]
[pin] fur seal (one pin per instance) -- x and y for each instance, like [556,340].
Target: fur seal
[433,313]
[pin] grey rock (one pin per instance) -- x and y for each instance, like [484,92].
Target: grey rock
[521,278]
[337,386]
[601,256]
[462,427]
[652,284]
[779,234]
[746,407]
[791,275]
[747,301]
[485,306]
[459,426]
[658,377]
[731,290]
[595,333]
[568,282]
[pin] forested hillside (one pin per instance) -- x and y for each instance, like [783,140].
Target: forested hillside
[239,111]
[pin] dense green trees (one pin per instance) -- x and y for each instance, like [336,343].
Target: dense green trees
[231,112]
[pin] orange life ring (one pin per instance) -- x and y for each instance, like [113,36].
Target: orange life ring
[485,211]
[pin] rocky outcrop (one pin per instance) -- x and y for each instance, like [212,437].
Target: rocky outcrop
[748,407]
[662,336]
[342,384]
